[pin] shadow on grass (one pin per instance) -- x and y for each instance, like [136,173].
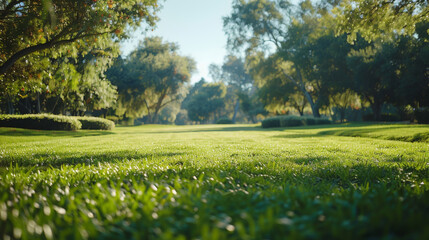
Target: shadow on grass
[19,132]
[362,130]
[209,129]
[297,136]
[57,160]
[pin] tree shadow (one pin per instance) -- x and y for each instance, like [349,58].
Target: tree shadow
[19,132]
[297,135]
[57,160]
[210,129]
[361,131]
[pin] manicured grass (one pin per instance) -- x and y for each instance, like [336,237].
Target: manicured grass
[216,182]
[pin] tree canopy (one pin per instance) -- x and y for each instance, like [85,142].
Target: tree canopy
[33,26]
[151,77]
[380,19]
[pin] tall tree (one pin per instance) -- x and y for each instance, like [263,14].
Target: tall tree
[234,74]
[258,25]
[152,76]
[411,58]
[206,102]
[374,75]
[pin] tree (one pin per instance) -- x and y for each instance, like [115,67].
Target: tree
[58,84]
[151,77]
[205,102]
[373,75]
[259,25]
[34,26]
[233,73]
[376,19]
[394,72]
[410,57]
[343,100]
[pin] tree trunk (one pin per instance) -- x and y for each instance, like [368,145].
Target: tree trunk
[28,105]
[11,109]
[38,103]
[342,114]
[252,118]
[158,107]
[314,107]
[307,95]
[237,106]
[376,109]
[154,117]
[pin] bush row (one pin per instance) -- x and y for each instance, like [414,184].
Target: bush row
[224,121]
[293,121]
[54,122]
[96,123]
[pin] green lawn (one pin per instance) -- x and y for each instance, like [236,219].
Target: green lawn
[354,181]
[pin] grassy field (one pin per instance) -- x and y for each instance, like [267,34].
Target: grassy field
[352,181]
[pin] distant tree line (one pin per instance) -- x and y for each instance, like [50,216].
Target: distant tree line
[334,58]
[307,55]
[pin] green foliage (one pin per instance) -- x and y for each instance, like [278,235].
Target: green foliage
[214,182]
[205,101]
[66,26]
[293,121]
[151,77]
[224,121]
[58,50]
[379,19]
[422,115]
[96,123]
[40,121]
[240,86]
[298,60]
[271,122]
[299,40]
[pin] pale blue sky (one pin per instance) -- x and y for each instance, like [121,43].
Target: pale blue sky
[197,26]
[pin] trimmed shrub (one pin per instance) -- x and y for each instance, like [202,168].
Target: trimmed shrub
[422,115]
[271,122]
[293,121]
[224,121]
[40,122]
[322,121]
[96,123]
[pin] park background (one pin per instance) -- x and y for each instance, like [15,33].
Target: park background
[320,109]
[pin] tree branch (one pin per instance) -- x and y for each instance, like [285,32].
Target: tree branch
[8,7]
[26,51]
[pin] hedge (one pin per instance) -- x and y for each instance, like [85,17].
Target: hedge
[96,123]
[271,122]
[293,121]
[224,121]
[40,122]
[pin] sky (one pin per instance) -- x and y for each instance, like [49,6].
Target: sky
[196,26]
